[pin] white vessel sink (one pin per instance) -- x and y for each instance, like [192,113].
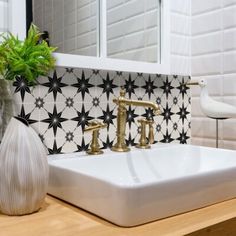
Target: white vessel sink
[140,186]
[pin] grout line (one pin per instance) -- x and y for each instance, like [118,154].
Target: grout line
[206,12]
[205,54]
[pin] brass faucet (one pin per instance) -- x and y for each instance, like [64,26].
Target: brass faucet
[143,137]
[95,126]
[122,102]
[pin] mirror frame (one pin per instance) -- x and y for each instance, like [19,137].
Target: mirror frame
[17,25]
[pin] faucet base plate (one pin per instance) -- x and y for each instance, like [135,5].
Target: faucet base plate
[92,152]
[120,149]
[143,146]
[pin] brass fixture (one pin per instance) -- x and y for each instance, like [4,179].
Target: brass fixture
[95,126]
[151,131]
[143,137]
[122,102]
[143,143]
[192,83]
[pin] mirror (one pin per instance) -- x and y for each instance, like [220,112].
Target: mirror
[71,25]
[132,27]
[133,30]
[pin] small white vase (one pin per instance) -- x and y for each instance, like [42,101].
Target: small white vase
[23,169]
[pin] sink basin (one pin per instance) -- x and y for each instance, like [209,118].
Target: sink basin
[140,186]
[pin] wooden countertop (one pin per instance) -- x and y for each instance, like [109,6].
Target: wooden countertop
[57,218]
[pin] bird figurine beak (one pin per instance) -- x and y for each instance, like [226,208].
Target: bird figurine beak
[192,83]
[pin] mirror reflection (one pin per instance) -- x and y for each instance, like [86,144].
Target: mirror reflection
[70,24]
[133,30]
[132,27]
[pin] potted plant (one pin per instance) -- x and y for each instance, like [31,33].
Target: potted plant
[28,59]
[23,159]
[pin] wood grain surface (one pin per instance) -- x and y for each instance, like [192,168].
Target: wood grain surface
[57,218]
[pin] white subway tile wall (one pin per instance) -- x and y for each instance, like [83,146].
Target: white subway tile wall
[180,41]
[72,24]
[132,30]
[214,58]
[3,16]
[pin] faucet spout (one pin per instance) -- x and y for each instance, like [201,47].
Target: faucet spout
[122,102]
[155,107]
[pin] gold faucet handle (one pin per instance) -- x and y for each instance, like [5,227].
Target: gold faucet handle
[151,131]
[158,111]
[142,121]
[143,138]
[122,92]
[95,126]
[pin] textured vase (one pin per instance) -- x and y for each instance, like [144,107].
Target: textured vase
[23,169]
[6,105]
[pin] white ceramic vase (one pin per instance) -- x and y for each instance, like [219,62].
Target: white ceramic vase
[6,105]
[23,169]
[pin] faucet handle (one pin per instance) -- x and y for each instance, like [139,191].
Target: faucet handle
[158,111]
[95,126]
[143,138]
[151,131]
[122,92]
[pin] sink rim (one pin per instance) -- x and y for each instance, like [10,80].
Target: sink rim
[53,162]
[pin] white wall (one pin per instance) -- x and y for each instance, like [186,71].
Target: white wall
[3,16]
[214,58]
[180,40]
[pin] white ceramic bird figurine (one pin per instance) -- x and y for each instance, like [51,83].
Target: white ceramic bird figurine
[212,108]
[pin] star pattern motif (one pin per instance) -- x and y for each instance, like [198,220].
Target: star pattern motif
[130,86]
[82,146]
[183,137]
[82,117]
[149,114]
[96,101]
[55,149]
[26,116]
[183,112]
[167,138]
[83,85]
[183,88]
[149,87]
[107,116]
[108,86]
[55,85]
[130,141]
[21,86]
[173,98]
[39,103]
[167,88]
[108,143]
[54,120]
[69,136]
[69,70]
[131,116]
[167,113]
[69,102]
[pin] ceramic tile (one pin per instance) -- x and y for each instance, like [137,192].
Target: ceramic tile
[60,107]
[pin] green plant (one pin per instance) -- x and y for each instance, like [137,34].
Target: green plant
[27,58]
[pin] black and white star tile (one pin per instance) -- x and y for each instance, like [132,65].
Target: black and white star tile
[61,105]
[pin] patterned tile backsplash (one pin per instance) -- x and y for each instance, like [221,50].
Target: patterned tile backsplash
[62,104]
